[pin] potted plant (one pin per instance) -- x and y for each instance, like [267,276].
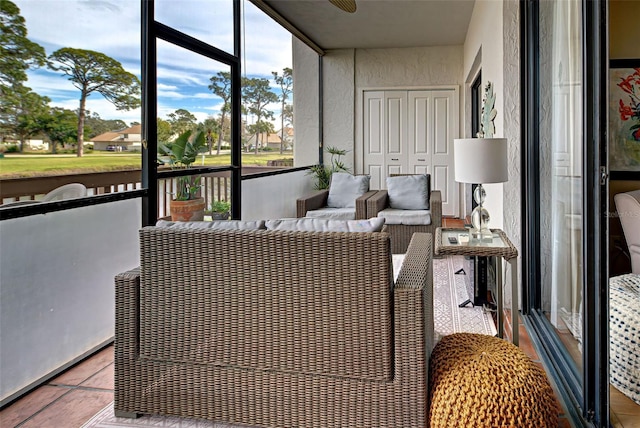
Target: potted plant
[219,210]
[186,204]
[323,173]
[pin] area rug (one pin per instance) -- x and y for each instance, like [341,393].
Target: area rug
[449,290]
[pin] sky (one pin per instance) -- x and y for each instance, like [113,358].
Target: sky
[112,27]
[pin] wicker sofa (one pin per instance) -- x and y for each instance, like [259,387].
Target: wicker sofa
[275,329]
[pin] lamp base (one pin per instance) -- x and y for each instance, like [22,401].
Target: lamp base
[480,218]
[481,235]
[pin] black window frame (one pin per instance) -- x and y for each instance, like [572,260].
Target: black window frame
[586,399]
[153,30]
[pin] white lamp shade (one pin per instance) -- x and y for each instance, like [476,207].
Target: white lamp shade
[480,160]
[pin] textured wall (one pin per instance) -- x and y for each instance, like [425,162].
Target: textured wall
[408,67]
[405,68]
[306,108]
[339,98]
[512,197]
[347,72]
[484,45]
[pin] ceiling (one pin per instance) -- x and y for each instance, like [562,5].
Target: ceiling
[378,23]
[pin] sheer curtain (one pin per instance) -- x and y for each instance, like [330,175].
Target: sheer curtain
[566,173]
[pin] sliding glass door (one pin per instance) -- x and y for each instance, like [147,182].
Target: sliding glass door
[565,197]
[560,175]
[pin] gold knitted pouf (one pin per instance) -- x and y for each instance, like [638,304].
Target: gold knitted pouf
[483,381]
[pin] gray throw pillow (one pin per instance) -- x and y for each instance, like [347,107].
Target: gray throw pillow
[346,188]
[326,225]
[408,192]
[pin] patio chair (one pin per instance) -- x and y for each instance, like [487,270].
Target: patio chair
[408,206]
[628,207]
[67,191]
[344,200]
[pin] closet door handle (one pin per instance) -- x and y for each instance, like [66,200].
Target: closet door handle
[394,159]
[421,160]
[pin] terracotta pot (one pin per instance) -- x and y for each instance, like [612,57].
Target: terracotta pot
[191,210]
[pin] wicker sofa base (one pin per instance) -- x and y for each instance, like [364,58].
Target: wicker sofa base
[270,397]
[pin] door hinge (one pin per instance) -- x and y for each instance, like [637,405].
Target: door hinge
[604,175]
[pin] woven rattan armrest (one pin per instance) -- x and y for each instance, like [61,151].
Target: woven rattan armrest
[311,202]
[377,203]
[435,204]
[361,205]
[416,270]
[415,284]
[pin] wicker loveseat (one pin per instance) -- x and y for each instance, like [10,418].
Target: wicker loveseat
[275,328]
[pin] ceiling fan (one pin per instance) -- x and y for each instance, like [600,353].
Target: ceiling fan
[346,5]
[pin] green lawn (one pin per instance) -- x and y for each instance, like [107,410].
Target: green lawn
[15,165]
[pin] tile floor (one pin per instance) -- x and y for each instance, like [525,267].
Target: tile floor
[68,400]
[72,398]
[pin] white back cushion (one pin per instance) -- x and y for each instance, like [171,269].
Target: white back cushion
[346,188]
[408,192]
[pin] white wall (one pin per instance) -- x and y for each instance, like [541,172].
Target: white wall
[494,38]
[339,103]
[512,221]
[274,196]
[485,36]
[306,104]
[404,68]
[346,72]
[57,286]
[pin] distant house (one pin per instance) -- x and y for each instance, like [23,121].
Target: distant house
[288,137]
[269,140]
[126,139]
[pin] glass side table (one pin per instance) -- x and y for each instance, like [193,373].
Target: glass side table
[499,247]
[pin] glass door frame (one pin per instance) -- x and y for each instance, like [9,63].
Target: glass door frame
[586,397]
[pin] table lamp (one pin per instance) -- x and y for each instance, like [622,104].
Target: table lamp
[480,161]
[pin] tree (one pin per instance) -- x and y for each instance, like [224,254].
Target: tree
[164,131]
[221,86]
[90,72]
[211,130]
[18,110]
[286,83]
[60,126]
[288,115]
[181,121]
[95,125]
[257,95]
[17,55]
[17,52]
